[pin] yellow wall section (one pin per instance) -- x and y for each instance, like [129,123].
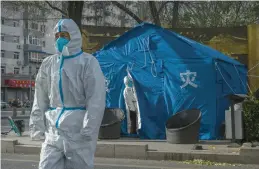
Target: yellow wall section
[253,54]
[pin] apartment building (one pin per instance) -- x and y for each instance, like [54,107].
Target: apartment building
[24,45]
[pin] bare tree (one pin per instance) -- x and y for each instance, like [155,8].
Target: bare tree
[169,13]
[175,14]
[220,13]
[126,10]
[154,12]
[73,11]
[154,7]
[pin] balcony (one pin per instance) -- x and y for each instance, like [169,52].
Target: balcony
[35,60]
[37,33]
[32,47]
[34,56]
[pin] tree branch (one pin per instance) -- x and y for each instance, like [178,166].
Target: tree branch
[154,13]
[126,10]
[163,6]
[175,14]
[55,8]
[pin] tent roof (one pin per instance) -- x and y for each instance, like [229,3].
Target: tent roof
[171,38]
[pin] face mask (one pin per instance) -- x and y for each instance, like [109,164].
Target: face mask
[60,43]
[130,84]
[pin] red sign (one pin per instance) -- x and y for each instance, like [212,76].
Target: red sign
[19,83]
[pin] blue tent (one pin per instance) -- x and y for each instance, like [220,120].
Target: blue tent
[171,73]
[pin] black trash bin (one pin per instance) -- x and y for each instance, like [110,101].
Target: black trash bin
[111,124]
[183,127]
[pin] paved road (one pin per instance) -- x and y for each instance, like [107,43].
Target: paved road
[16,161]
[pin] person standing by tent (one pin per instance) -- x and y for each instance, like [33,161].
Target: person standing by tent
[131,105]
[69,103]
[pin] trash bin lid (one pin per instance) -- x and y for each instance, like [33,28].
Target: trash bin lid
[112,116]
[237,98]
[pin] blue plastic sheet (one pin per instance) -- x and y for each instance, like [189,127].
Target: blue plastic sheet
[171,73]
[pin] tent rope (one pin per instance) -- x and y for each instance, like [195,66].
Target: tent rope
[224,78]
[253,67]
[153,66]
[253,76]
[242,80]
[130,67]
[145,55]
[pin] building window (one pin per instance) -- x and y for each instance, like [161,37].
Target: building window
[37,69]
[16,55]
[2,37]
[2,20]
[43,44]
[30,39]
[42,28]
[2,53]
[15,23]
[15,9]
[26,25]
[16,39]
[34,26]
[35,41]
[16,70]
[33,55]
[38,42]
[2,69]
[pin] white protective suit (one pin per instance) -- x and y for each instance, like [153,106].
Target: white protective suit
[131,102]
[69,105]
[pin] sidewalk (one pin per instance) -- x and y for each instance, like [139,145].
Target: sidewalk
[216,151]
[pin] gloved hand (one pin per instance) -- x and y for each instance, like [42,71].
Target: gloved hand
[37,136]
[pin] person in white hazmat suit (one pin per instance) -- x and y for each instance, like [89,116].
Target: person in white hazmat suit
[69,103]
[133,116]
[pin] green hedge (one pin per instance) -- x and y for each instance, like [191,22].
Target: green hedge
[251,119]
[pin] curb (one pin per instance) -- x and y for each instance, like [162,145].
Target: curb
[102,150]
[8,145]
[178,156]
[246,155]
[27,149]
[250,155]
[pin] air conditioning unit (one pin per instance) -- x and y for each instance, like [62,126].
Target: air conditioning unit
[19,47]
[19,62]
